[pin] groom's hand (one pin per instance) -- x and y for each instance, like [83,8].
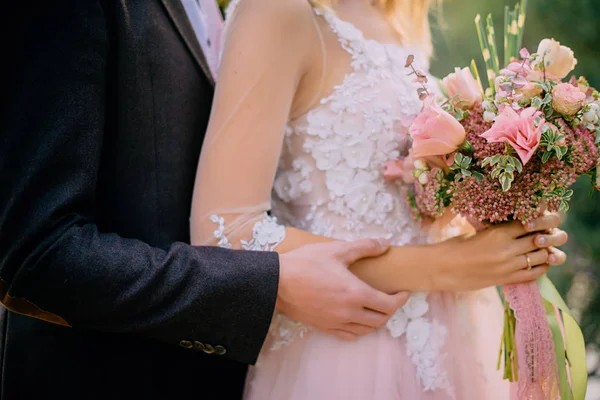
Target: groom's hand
[316,288]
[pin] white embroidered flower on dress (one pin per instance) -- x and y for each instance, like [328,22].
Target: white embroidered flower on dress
[268,232]
[338,179]
[360,198]
[358,152]
[417,305]
[418,332]
[287,185]
[319,123]
[397,324]
[384,202]
[327,154]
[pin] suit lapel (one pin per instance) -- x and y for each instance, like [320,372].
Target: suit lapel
[180,20]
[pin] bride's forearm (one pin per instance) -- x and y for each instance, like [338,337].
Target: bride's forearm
[411,268]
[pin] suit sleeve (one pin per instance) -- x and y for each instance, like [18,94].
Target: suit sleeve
[55,264]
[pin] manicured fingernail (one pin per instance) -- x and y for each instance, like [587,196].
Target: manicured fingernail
[542,241]
[552,259]
[383,242]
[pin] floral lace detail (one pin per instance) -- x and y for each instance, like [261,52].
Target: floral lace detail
[424,341]
[329,180]
[219,233]
[267,234]
[284,330]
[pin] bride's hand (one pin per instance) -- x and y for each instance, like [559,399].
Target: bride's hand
[503,254]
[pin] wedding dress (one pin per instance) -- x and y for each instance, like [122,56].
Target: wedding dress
[329,182]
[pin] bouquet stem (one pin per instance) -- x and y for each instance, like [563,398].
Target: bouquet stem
[508,350]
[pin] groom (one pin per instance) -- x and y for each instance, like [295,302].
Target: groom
[99,144]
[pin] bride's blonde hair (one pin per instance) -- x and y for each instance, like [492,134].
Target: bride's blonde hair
[410,18]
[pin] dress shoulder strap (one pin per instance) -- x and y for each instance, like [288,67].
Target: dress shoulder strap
[350,37]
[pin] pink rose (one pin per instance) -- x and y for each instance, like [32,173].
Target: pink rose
[567,99]
[555,59]
[462,84]
[518,130]
[435,132]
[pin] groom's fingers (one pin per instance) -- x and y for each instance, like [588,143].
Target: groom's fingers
[385,303]
[350,252]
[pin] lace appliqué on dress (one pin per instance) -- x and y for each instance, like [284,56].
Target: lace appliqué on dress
[267,234]
[424,342]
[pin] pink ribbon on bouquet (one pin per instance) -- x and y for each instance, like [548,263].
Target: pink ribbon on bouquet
[536,360]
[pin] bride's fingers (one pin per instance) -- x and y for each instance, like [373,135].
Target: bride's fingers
[344,335]
[554,238]
[556,256]
[533,259]
[357,329]
[525,275]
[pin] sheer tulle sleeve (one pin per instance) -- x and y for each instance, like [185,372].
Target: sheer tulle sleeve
[266,49]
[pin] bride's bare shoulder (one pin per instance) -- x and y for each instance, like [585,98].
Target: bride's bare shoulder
[292,17]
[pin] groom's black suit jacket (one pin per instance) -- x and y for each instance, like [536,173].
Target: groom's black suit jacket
[105,104]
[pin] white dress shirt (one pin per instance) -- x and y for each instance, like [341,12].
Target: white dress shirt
[207,21]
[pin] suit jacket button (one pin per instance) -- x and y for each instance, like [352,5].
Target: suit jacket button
[208,349]
[198,346]
[186,344]
[220,350]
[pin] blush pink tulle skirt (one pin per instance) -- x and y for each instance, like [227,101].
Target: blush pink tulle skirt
[377,366]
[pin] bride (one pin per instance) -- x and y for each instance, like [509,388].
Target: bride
[309,105]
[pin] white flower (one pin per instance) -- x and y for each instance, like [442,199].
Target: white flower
[319,123]
[358,153]
[397,324]
[338,179]
[348,31]
[288,185]
[327,155]
[485,104]
[423,178]
[595,108]
[384,202]
[347,126]
[361,197]
[268,232]
[377,54]
[488,116]
[420,164]
[417,305]
[418,332]
[590,116]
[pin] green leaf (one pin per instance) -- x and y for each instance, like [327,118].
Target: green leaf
[559,349]
[546,156]
[575,345]
[506,179]
[536,102]
[466,146]
[478,175]
[517,164]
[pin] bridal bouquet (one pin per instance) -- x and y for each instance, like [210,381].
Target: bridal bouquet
[507,153]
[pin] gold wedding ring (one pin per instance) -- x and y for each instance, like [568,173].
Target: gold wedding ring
[528,262]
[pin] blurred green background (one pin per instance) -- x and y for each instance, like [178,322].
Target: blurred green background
[574,24]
